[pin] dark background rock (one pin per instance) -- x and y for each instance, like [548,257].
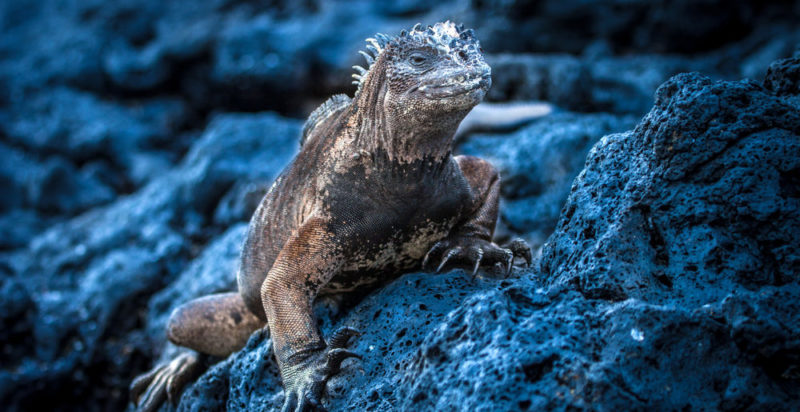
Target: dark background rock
[137,137]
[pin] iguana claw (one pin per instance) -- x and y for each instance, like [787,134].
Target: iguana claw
[478,257]
[305,381]
[520,249]
[433,250]
[477,253]
[450,253]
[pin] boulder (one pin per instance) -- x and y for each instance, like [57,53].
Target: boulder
[538,164]
[84,285]
[670,282]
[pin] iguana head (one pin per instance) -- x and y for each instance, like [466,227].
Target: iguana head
[440,67]
[422,82]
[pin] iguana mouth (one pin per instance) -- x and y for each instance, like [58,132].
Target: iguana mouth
[453,86]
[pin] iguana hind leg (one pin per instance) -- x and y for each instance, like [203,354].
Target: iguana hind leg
[216,325]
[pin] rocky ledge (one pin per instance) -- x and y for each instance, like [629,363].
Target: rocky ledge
[671,281]
[135,146]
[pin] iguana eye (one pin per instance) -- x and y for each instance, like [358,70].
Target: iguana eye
[417,59]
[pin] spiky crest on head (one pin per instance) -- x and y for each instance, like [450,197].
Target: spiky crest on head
[445,37]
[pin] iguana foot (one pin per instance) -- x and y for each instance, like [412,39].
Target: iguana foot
[305,378]
[165,381]
[477,252]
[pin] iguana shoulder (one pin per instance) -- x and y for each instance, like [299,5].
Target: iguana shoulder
[326,110]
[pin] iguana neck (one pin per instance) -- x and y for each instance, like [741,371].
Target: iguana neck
[405,138]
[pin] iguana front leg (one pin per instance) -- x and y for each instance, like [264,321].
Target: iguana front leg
[470,241]
[308,260]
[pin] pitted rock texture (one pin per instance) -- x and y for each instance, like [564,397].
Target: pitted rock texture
[698,200]
[94,275]
[670,282]
[128,176]
[538,164]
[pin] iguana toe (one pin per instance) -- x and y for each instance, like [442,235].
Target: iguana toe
[450,254]
[305,381]
[141,383]
[341,337]
[477,256]
[299,401]
[520,249]
[164,382]
[435,249]
[477,252]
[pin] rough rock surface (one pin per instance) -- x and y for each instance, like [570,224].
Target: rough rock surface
[538,164]
[80,334]
[670,279]
[716,162]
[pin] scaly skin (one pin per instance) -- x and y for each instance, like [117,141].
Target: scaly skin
[372,194]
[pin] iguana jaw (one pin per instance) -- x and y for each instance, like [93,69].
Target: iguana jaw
[454,86]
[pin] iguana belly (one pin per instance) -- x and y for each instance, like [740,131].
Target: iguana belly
[377,264]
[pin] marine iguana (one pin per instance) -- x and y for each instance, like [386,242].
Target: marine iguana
[374,192]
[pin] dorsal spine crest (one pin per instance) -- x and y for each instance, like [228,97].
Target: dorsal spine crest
[442,36]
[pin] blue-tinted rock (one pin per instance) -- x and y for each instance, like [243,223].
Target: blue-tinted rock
[783,77]
[538,164]
[84,128]
[699,199]
[394,321]
[670,281]
[563,80]
[595,82]
[19,226]
[90,278]
[125,193]
[51,186]
[213,271]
